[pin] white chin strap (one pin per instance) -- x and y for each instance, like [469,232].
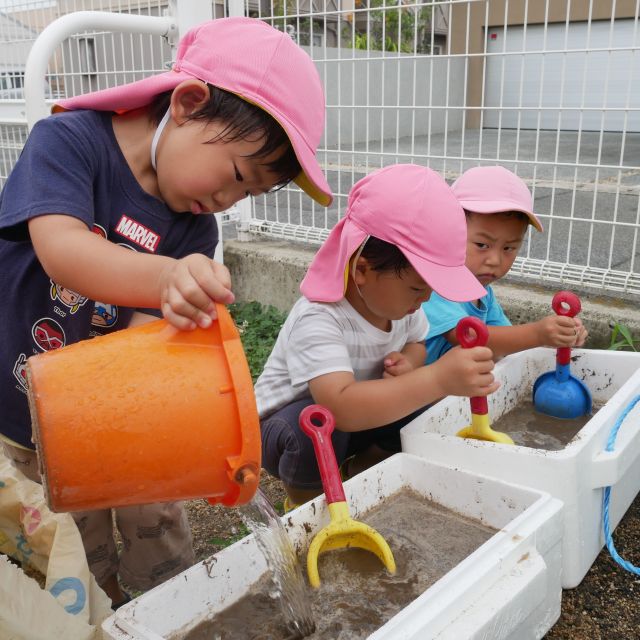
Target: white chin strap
[156,137]
[353,264]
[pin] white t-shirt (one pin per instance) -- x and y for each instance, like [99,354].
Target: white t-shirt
[319,338]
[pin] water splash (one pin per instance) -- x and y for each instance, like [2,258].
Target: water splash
[271,536]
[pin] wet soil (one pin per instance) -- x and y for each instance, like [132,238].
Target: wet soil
[357,595]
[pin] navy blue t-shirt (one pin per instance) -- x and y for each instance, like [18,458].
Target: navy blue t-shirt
[72,164]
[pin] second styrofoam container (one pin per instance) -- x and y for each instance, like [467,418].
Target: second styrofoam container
[576,474]
[509,588]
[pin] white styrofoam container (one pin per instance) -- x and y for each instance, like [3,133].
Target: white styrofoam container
[576,474]
[509,588]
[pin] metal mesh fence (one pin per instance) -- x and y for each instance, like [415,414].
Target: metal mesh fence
[547,89]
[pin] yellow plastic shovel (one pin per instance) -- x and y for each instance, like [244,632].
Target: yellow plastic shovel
[472,332]
[318,423]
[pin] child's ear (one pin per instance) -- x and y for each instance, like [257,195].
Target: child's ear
[187,98]
[359,271]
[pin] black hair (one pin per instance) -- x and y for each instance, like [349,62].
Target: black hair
[241,120]
[383,256]
[507,214]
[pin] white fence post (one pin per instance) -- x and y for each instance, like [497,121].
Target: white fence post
[244,207]
[189,13]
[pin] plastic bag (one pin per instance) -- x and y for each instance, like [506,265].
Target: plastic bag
[72,605]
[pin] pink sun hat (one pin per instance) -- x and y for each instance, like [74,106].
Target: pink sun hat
[494,190]
[411,207]
[260,64]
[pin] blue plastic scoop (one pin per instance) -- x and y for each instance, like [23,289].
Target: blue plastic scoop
[558,393]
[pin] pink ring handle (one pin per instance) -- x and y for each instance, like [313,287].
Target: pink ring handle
[472,332]
[566,303]
[318,423]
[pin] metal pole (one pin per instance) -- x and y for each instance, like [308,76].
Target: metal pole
[65,26]
[244,208]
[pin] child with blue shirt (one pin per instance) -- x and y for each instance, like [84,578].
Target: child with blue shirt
[498,208]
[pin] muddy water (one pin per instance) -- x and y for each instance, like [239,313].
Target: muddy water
[287,582]
[357,595]
[529,428]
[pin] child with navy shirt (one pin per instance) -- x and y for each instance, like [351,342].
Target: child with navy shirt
[102,224]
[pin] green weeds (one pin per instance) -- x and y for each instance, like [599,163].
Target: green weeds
[259,326]
[621,338]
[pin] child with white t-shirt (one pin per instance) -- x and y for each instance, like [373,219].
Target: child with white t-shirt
[354,342]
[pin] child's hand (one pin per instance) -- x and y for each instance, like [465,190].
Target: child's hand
[396,364]
[466,372]
[581,333]
[188,289]
[561,331]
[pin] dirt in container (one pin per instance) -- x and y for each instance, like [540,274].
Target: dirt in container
[357,595]
[529,428]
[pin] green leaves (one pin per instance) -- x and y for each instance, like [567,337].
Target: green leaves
[239,533]
[259,326]
[621,338]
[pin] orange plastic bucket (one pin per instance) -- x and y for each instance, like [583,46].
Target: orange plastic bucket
[147,414]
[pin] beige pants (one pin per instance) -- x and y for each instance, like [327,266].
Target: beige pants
[156,537]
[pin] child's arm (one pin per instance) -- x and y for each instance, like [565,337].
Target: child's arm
[550,331]
[359,405]
[78,259]
[411,357]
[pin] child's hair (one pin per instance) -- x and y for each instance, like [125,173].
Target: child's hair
[507,214]
[282,82]
[241,119]
[384,256]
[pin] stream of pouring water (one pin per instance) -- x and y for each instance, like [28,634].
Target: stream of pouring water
[290,589]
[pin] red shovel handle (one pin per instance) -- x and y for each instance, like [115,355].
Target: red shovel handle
[472,332]
[318,423]
[565,303]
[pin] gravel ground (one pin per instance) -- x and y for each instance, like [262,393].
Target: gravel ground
[603,607]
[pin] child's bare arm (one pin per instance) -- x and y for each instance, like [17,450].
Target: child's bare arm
[374,403]
[398,363]
[550,331]
[78,259]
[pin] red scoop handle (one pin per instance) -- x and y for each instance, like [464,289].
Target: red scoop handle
[318,423]
[565,303]
[472,332]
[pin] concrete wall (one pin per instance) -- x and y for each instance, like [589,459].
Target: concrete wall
[270,272]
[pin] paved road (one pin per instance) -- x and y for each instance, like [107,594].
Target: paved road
[586,187]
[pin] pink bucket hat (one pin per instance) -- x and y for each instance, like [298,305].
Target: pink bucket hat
[411,207]
[494,190]
[258,63]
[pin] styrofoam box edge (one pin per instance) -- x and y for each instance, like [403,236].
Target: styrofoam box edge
[529,528]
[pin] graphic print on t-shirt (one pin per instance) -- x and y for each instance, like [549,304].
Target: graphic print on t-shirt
[69,298]
[104,314]
[138,233]
[99,230]
[20,371]
[48,334]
